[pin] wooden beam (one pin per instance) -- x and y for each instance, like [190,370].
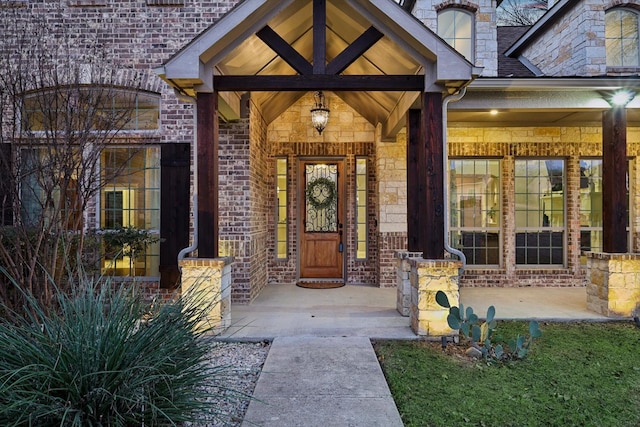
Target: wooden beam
[355,50]
[615,204]
[319,36]
[285,50]
[399,83]
[416,183]
[432,140]
[207,174]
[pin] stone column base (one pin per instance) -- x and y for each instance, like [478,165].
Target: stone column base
[211,280]
[403,272]
[613,284]
[427,278]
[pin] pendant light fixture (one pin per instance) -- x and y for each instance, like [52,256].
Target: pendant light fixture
[319,112]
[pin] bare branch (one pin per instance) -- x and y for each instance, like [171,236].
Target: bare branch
[520,12]
[60,107]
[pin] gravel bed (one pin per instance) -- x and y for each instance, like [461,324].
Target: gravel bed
[240,365]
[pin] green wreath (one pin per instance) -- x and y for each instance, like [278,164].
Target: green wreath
[325,187]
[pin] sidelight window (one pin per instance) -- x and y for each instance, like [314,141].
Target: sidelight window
[361,208]
[281,208]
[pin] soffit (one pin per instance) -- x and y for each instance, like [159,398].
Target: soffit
[542,102]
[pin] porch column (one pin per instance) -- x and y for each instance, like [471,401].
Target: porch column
[614,180]
[207,140]
[425,183]
[416,198]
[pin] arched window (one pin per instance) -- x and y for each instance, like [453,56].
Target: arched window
[621,32]
[80,108]
[455,26]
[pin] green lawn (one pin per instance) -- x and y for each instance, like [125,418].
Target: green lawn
[578,374]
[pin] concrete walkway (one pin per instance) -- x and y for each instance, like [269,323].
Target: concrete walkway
[321,369]
[324,382]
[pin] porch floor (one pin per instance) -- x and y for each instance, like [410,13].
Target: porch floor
[288,310]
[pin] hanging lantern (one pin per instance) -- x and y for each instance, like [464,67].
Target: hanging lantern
[319,113]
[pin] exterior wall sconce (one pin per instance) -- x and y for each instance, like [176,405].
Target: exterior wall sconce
[319,112]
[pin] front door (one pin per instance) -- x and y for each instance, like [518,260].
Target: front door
[321,242]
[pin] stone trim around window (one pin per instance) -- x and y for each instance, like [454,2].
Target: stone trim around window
[457,4]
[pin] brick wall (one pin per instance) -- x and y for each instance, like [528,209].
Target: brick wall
[261,191]
[244,203]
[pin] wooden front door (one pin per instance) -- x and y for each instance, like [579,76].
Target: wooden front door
[322,238]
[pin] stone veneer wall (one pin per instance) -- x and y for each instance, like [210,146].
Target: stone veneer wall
[427,277]
[392,211]
[574,45]
[209,280]
[613,287]
[348,135]
[509,144]
[484,11]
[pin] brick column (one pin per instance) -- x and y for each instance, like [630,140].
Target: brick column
[572,216]
[427,278]
[508,222]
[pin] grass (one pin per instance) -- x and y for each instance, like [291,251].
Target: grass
[578,374]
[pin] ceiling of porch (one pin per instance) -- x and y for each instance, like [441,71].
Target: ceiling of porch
[344,26]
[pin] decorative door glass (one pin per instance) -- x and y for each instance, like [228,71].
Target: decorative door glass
[321,198]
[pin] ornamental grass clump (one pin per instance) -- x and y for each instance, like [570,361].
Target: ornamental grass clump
[101,358]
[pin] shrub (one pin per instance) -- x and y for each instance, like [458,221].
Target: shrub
[103,359]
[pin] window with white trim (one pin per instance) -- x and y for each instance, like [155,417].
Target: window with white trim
[455,26]
[621,37]
[475,209]
[540,200]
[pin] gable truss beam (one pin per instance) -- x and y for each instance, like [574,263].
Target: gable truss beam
[319,36]
[299,63]
[354,51]
[398,83]
[285,50]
